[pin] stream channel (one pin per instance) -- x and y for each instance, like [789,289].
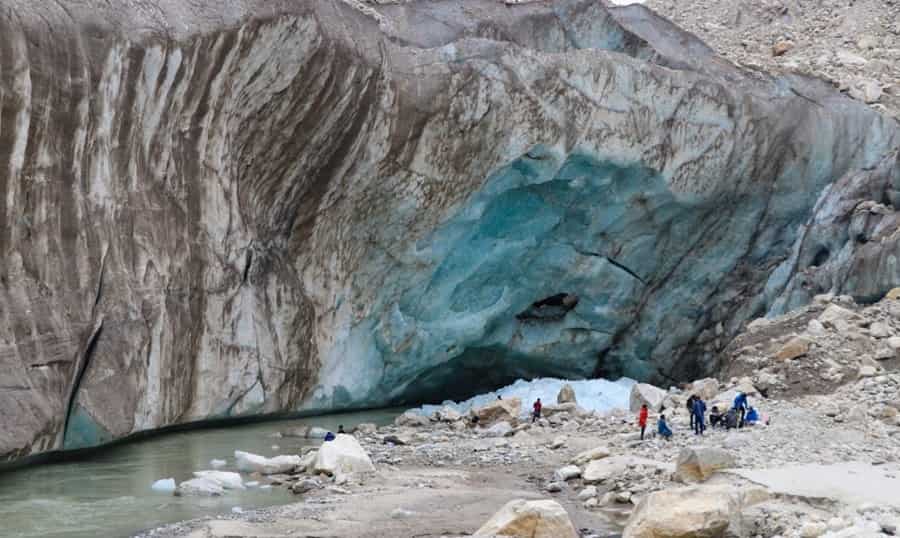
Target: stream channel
[107,493]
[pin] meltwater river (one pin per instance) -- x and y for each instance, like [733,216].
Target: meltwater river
[108,494]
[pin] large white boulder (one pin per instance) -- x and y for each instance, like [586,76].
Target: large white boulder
[602,470]
[642,393]
[529,519]
[705,388]
[692,512]
[696,464]
[260,464]
[225,479]
[344,455]
[199,487]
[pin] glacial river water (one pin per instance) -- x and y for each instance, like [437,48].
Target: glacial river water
[108,493]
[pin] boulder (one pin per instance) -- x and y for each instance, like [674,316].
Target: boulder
[254,463]
[225,479]
[590,455]
[642,393]
[499,410]
[395,440]
[837,317]
[566,395]
[894,343]
[558,442]
[344,455]
[880,330]
[567,473]
[866,90]
[893,295]
[550,410]
[500,429]
[199,487]
[587,493]
[164,485]
[529,519]
[412,419]
[447,414]
[602,470]
[696,464]
[692,512]
[705,388]
[305,486]
[795,347]
[782,47]
[366,428]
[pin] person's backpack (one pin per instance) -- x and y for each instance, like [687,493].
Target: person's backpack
[731,419]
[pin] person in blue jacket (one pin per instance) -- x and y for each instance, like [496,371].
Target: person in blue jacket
[698,412]
[662,428]
[329,436]
[741,405]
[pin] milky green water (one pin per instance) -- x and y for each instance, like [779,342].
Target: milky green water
[109,495]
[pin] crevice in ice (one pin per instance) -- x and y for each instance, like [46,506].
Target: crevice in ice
[552,308]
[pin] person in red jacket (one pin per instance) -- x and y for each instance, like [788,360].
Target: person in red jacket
[537,410]
[642,420]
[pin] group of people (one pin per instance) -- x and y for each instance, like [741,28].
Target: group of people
[738,416]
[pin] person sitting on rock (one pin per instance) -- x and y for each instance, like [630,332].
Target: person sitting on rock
[741,405]
[752,416]
[642,419]
[662,428]
[341,428]
[716,417]
[699,411]
[537,410]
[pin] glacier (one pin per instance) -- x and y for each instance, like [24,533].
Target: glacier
[256,209]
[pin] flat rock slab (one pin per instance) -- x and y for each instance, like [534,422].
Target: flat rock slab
[851,483]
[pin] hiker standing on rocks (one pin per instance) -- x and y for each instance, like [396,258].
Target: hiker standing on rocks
[537,411]
[698,411]
[642,419]
[741,405]
[690,408]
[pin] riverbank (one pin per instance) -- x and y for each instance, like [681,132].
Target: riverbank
[824,464]
[447,480]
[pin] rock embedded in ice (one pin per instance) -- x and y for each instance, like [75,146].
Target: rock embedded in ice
[255,463]
[529,519]
[344,455]
[566,395]
[199,487]
[227,480]
[643,393]
[164,485]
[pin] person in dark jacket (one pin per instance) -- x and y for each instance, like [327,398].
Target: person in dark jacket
[536,414]
[690,408]
[699,411]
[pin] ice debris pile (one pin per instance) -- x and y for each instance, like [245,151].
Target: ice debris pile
[592,394]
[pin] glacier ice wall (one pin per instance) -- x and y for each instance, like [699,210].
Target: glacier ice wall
[253,207]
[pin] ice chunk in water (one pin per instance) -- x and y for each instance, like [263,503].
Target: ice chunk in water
[592,394]
[164,485]
[223,478]
[217,464]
